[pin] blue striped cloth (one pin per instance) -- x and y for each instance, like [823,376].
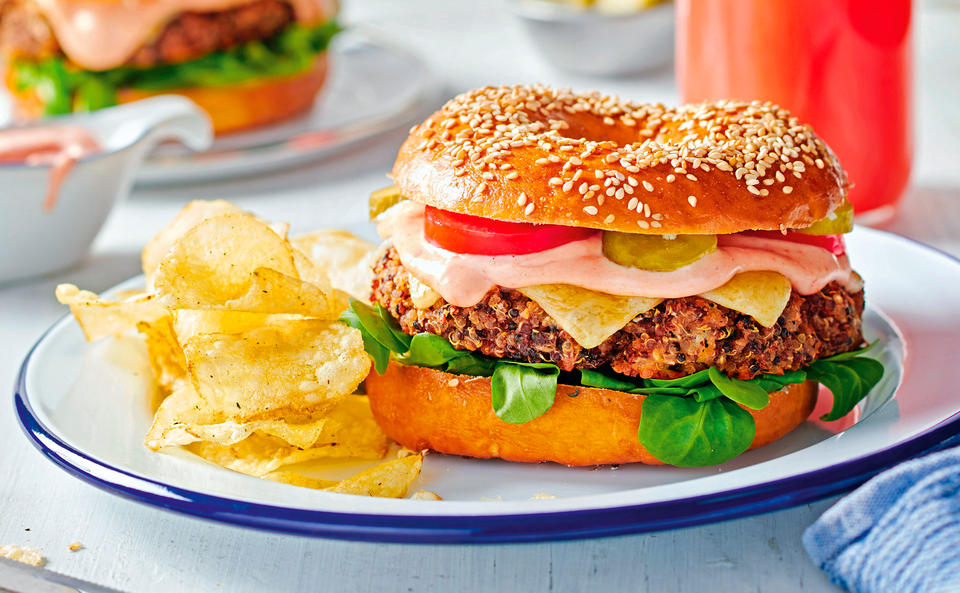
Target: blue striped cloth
[898,533]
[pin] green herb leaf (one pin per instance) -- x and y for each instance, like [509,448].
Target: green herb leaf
[746,393]
[429,350]
[393,326]
[851,354]
[683,432]
[590,378]
[523,392]
[849,380]
[474,365]
[702,393]
[375,323]
[698,378]
[377,351]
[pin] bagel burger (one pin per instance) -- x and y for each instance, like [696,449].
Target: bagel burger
[579,279]
[247,63]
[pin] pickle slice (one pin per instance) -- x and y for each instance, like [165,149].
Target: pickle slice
[382,199]
[838,223]
[656,253]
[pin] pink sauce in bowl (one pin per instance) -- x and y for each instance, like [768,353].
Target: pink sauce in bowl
[57,147]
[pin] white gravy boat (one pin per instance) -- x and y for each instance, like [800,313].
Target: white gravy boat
[36,241]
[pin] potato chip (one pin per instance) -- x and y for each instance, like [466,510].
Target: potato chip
[252,371]
[193,214]
[345,257]
[297,479]
[101,318]
[761,295]
[258,454]
[166,357]
[236,262]
[390,479]
[284,367]
[347,425]
[590,317]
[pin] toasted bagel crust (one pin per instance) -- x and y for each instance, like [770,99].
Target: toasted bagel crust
[421,408]
[535,154]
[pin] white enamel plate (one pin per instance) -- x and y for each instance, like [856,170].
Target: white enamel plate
[85,406]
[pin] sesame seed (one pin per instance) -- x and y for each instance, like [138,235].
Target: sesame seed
[529,209]
[671,178]
[632,181]
[619,195]
[521,199]
[512,175]
[647,185]
[611,190]
[591,210]
[755,191]
[608,219]
[482,187]
[787,189]
[568,186]
[643,224]
[691,177]
[646,210]
[583,188]
[487,175]
[555,181]
[632,203]
[692,200]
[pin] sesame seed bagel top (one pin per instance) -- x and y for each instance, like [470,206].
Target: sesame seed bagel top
[536,154]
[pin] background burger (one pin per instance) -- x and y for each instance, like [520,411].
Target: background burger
[574,278]
[246,62]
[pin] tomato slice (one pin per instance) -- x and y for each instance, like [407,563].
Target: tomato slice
[832,243]
[462,233]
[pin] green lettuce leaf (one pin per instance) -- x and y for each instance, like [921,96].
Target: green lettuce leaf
[521,392]
[64,88]
[686,433]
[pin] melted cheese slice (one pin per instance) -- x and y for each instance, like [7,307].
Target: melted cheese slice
[590,317]
[761,295]
[423,296]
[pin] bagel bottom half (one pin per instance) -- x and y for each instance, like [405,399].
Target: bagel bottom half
[422,408]
[232,108]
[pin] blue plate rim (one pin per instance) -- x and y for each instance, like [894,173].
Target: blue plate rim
[476,529]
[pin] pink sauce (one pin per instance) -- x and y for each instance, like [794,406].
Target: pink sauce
[57,147]
[463,279]
[103,34]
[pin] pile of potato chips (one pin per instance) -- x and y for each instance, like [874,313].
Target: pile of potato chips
[252,369]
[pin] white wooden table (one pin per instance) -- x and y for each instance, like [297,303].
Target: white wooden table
[469,43]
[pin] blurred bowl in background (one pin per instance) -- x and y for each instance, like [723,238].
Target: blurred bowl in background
[588,41]
[35,239]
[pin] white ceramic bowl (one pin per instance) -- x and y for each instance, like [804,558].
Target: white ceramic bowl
[596,43]
[34,241]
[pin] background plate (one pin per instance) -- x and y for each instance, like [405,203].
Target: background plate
[84,408]
[373,87]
